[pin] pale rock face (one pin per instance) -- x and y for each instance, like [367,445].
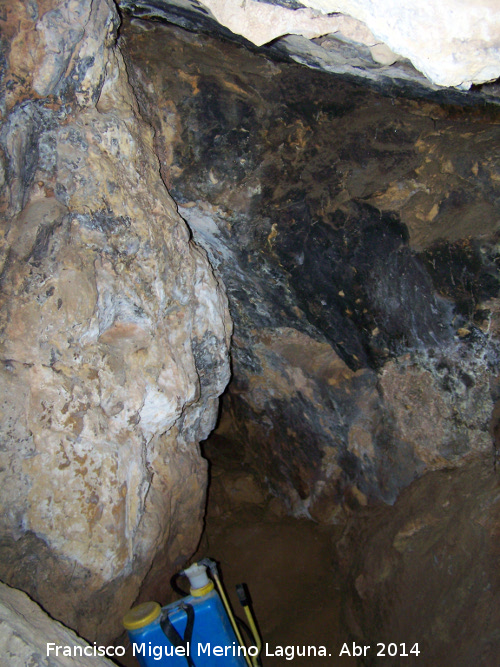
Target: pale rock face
[114,336]
[26,631]
[260,22]
[452,43]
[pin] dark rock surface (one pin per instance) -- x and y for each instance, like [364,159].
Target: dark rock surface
[357,236]
[429,567]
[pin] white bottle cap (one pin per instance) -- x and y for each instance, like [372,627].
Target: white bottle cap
[197,575]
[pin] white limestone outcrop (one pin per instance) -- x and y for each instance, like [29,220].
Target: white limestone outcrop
[452,42]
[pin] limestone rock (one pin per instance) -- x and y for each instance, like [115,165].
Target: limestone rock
[114,332]
[26,633]
[441,412]
[233,488]
[262,22]
[60,49]
[357,237]
[452,44]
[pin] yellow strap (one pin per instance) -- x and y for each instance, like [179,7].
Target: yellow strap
[255,633]
[231,617]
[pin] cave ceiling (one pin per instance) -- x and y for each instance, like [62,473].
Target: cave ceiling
[430,49]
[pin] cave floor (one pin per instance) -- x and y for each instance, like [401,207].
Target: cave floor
[288,568]
[421,571]
[287,564]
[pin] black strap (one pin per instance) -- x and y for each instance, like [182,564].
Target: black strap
[174,637]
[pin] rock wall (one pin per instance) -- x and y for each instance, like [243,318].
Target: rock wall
[427,573]
[28,636]
[114,332]
[357,235]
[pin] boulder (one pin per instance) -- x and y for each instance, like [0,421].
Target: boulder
[28,636]
[114,331]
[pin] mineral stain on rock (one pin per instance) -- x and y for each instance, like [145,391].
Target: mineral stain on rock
[466,271]
[341,219]
[358,275]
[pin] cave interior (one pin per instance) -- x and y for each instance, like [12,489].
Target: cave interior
[290,364]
